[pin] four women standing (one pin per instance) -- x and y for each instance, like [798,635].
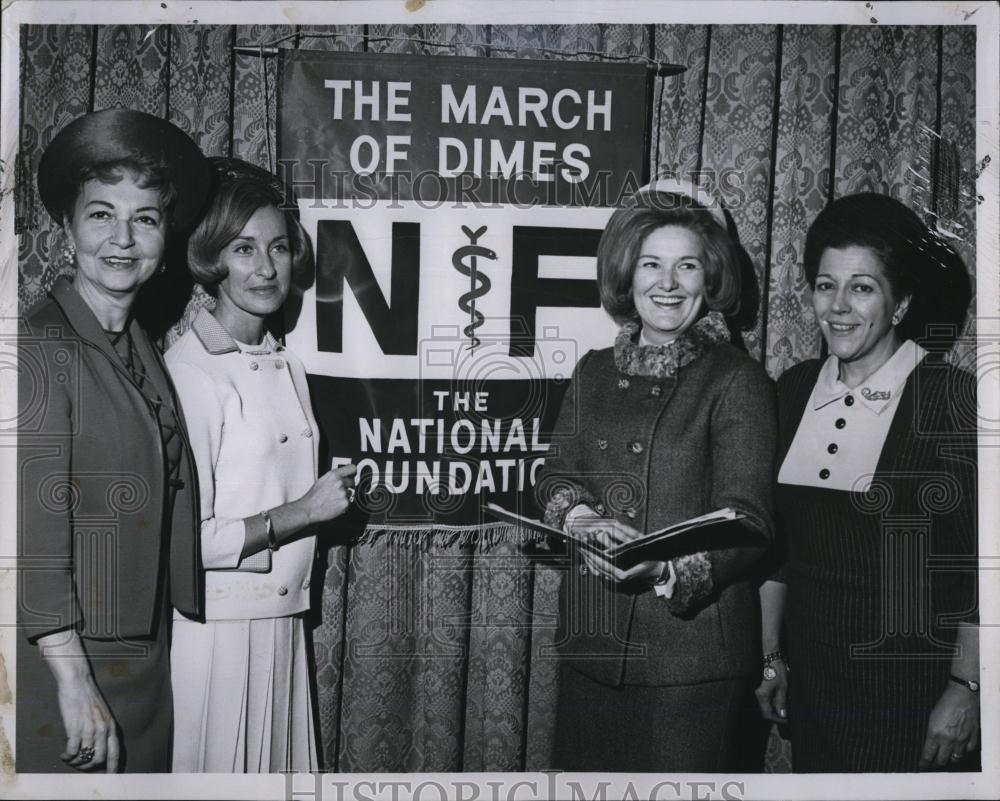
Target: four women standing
[671,423]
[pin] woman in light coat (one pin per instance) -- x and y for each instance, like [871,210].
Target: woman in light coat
[242,688]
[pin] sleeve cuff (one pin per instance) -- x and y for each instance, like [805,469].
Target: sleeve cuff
[694,581]
[562,501]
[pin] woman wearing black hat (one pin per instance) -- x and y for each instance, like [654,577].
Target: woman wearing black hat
[876,495]
[107,537]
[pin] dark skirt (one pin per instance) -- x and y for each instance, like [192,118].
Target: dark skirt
[633,729]
[133,677]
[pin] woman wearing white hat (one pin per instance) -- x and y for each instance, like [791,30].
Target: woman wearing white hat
[670,423]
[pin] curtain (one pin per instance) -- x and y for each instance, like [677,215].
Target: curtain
[436,657]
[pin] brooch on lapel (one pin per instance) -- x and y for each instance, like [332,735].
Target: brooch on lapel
[875,394]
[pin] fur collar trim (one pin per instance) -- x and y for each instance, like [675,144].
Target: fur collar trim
[662,361]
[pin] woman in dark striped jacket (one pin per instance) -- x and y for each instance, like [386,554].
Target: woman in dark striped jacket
[876,496]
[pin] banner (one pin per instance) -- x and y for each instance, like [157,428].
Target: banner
[455,205]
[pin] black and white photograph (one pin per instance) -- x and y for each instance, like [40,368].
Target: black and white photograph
[424,399]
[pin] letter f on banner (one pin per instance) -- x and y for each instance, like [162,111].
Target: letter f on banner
[339,256]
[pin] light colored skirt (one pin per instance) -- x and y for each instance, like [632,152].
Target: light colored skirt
[241,697]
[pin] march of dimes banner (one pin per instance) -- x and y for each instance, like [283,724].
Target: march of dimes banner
[455,205]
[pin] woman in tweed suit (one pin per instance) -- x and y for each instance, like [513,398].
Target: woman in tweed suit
[670,423]
[877,498]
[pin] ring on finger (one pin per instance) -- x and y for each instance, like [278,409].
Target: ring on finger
[85,754]
[956,756]
[350,494]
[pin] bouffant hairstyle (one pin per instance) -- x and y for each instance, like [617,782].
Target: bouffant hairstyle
[147,172]
[917,262]
[628,228]
[231,208]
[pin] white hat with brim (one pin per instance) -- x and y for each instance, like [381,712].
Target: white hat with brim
[676,186]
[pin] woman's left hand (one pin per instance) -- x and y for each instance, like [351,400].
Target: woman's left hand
[644,570]
[953,729]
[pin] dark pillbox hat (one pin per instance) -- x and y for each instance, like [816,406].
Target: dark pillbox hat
[116,134]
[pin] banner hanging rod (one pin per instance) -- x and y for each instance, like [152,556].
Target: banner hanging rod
[661,69]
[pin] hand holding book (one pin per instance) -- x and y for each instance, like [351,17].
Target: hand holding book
[624,547]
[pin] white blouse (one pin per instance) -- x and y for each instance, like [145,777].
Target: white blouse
[842,432]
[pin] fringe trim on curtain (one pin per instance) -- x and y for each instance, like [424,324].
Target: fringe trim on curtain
[488,535]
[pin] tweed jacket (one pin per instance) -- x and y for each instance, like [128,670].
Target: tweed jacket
[653,444]
[255,443]
[95,540]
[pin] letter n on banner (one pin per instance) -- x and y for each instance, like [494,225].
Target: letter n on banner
[455,205]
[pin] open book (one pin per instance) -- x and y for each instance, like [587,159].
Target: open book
[719,529]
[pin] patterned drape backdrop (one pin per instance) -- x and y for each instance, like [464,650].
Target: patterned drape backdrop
[432,658]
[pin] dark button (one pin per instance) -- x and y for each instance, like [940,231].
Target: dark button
[282,590]
[841,422]
[824,474]
[283,438]
[832,448]
[656,390]
[279,364]
[636,447]
[849,400]
[254,366]
[307,433]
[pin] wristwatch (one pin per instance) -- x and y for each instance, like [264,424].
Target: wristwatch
[970,684]
[770,674]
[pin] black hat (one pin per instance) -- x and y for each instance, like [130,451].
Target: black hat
[117,134]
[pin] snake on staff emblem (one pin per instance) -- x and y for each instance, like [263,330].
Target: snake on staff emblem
[479,283]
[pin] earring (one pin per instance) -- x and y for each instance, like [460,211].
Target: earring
[68,253]
[162,268]
[896,318]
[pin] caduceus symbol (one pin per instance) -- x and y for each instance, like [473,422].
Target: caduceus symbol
[479,284]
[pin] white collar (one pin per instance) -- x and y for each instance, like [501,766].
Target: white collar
[217,340]
[880,389]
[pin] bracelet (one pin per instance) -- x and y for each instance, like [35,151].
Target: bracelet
[770,674]
[272,541]
[970,684]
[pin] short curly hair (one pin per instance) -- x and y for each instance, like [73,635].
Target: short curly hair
[231,208]
[147,172]
[628,228]
[918,264]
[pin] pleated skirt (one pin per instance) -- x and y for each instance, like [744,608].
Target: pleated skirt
[242,697]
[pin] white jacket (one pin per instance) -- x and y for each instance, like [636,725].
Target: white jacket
[255,443]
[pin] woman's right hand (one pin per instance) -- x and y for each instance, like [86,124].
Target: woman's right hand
[603,531]
[330,496]
[91,732]
[772,694]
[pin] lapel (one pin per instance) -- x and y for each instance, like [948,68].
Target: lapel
[83,321]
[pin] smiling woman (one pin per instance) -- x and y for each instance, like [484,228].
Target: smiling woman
[884,646]
[656,661]
[108,444]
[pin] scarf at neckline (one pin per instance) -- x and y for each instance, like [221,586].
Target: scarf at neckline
[662,361]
